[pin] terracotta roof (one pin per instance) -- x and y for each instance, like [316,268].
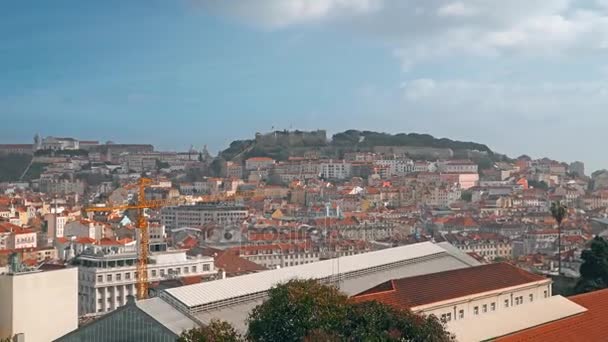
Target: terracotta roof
[591,325]
[426,289]
[232,264]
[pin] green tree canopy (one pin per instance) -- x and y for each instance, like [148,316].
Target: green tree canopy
[306,310]
[216,331]
[594,270]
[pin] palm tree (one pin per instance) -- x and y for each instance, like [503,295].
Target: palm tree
[558,211]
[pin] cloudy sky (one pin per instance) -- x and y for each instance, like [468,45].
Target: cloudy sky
[523,76]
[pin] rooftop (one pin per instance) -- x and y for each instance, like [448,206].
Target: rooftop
[211,293]
[591,325]
[421,290]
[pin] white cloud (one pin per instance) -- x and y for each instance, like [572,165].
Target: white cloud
[425,29]
[456,9]
[275,14]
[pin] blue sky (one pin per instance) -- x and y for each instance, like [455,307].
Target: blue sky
[521,76]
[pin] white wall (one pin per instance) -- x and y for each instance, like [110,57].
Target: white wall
[41,305]
[469,303]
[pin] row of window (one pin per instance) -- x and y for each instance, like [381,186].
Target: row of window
[484,308]
[153,273]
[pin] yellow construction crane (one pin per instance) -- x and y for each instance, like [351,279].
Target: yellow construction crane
[142,226]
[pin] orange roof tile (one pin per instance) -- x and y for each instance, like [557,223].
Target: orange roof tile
[420,290]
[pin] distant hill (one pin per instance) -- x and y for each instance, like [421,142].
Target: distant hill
[12,166]
[280,145]
[371,139]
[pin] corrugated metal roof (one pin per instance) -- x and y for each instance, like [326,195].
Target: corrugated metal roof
[218,290]
[166,315]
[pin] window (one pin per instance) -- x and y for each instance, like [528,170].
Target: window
[100,280]
[154,273]
[448,317]
[162,273]
[109,277]
[118,277]
[531,297]
[545,293]
[128,275]
[484,308]
[193,269]
[476,310]
[493,307]
[506,303]
[461,314]
[519,300]
[206,267]
[185,269]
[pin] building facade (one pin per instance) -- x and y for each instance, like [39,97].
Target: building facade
[108,274]
[200,214]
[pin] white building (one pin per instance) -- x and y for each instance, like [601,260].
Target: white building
[472,292]
[55,224]
[258,163]
[86,228]
[200,214]
[457,166]
[55,143]
[335,169]
[107,273]
[39,306]
[397,167]
[15,237]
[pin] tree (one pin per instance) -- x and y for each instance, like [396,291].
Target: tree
[305,310]
[559,211]
[594,270]
[538,184]
[216,331]
[296,308]
[373,321]
[466,196]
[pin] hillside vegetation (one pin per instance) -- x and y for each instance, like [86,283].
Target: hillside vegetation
[354,140]
[12,166]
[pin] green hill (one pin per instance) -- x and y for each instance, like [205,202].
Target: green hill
[292,144]
[12,166]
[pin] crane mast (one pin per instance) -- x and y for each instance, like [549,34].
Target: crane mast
[141,223]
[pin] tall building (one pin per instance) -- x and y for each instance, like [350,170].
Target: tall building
[335,169]
[38,305]
[200,214]
[107,273]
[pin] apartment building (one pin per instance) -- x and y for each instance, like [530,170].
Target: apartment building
[107,273]
[61,186]
[280,255]
[200,214]
[457,166]
[396,167]
[15,237]
[55,225]
[87,228]
[258,163]
[488,245]
[333,169]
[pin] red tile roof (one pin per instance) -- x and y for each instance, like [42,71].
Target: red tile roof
[233,264]
[427,289]
[591,325]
